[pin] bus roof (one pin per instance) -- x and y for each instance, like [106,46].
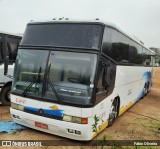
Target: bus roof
[67,20]
[7,33]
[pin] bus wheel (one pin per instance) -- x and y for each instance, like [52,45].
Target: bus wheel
[145,89]
[5,96]
[113,113]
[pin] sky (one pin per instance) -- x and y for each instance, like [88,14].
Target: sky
[140,18]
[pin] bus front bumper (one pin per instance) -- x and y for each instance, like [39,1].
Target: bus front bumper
[57,127]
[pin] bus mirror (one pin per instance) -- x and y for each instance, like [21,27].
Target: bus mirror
[6,63]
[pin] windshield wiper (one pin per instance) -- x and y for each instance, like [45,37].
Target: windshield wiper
[46,76]
[33,82]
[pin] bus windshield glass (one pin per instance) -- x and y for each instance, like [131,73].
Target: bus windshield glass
[63,35]
[27,66]
[70,73]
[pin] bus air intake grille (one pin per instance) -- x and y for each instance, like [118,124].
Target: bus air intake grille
[43,115]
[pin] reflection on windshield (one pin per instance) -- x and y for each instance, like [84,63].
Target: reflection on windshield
[72,67]
[72,74]
[27,67]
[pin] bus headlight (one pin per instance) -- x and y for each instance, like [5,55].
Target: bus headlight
[20,107]
[14,105]
[75,119]
[17,106]
[67,118]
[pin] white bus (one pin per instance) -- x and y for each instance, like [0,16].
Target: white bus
[74,78]
[8,47]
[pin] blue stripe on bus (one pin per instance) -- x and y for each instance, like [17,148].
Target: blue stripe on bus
[46,111]
[147,76]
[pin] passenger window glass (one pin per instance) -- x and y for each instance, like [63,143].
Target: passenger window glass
[12,44]
[106,80]
[107,42]
[100,77]
[123,49]
[1,53]
[120,48]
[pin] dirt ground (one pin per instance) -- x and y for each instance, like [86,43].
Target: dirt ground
[140,122]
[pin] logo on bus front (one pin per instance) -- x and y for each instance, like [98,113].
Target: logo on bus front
[20,101]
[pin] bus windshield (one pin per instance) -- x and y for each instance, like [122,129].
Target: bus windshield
[71,74]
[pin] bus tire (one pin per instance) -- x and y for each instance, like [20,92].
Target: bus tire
[148,87]
[145,89]
[113,113]
[5,95]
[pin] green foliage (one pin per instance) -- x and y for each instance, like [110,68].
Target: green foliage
[113,147]
[103,140]
[94,126]
[105,137]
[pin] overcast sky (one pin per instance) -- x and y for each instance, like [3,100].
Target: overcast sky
[137,17]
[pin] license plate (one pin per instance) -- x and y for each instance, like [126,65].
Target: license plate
[41,125]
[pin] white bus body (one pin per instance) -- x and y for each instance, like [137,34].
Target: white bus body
[156,64]
[131,83]
[4,79]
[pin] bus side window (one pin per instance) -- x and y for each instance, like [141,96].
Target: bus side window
[101,91]
[100,78]
[12,44]
[107,77]
[1,56]
[106,80]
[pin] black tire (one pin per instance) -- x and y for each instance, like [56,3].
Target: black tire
[5,96]
[145,89]
[148,88]
[113,114]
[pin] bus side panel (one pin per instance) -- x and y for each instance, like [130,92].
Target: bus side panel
[129,87]
[101,114]
[129,84]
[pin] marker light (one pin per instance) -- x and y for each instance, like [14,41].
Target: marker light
[74,119]
[84,120]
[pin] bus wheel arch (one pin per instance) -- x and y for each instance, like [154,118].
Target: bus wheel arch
[114,111]
[5,94]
